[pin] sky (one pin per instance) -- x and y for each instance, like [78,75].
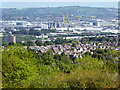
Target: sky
[58,3]
[60,0]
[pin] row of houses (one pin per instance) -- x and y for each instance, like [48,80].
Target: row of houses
[77,51]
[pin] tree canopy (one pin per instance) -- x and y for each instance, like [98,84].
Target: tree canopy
[22,68]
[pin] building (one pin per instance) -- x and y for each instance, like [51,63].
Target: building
[52,25]
[44,26]
[42,36]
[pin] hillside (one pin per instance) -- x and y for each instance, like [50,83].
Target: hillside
[58,11]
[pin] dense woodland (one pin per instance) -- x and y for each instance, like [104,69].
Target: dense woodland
[23,68]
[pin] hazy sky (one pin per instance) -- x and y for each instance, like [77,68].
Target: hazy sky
[60,0]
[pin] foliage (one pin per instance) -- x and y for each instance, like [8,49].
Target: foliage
[106,54]
[18,67]
[73,45]
[29,43]
[100,39]
[22,68]
[47,43]
[94,78]
[57,12]
[38,43]
[11,43]
[5,44]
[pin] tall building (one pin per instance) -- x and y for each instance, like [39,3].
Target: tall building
[52,25]
[58,25]
[95,23]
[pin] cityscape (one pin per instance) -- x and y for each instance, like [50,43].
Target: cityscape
[60,47]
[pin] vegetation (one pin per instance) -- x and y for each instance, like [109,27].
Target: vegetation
[100,39]
[57,12]
[61,41]
[22,68]
[25,38]
[84,34]
[39,43]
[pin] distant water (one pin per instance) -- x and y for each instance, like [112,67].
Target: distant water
[58,4]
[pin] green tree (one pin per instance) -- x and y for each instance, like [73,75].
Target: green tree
[87,53]
[57,57]
[114,40]
[73,45]
[30,43]
[38,43]
[18,67]
[11,43]
[97,43]
[5,44]
[72,49]
[47,43]
[48,57]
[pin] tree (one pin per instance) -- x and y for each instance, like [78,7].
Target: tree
[63,54]
[99,51]
[72,49]
[112,56]
[11,43]
[72,58]
[114,40]
[59,41]
[30,43]
[88,53]
[65,60]
[48,57]
[57,57]
[17,67]
[102,57]
[106,50]
[77,42]
[47,43]
[5,44]
[38,43]
[97,43]
[73,45]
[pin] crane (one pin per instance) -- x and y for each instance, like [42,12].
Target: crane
[78,17]
[67,18]
[63,17]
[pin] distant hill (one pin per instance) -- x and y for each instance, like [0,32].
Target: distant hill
[58,11]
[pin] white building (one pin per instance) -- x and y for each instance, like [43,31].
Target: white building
[42,36]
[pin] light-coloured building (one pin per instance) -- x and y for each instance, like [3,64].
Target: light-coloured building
[42,36]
